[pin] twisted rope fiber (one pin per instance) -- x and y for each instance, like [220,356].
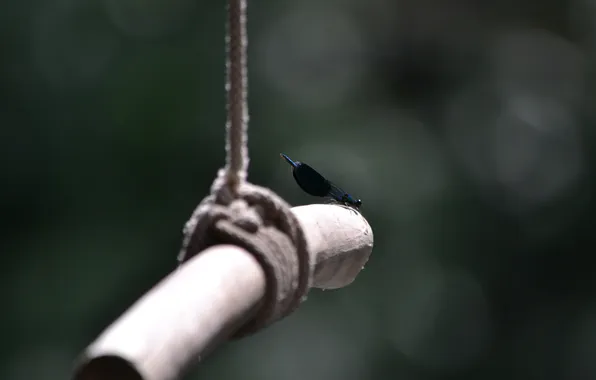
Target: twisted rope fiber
[237,93]
[262,223]
[247,215]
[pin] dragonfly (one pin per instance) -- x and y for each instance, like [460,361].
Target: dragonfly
[315,184]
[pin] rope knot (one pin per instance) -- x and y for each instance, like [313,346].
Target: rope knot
[256,219]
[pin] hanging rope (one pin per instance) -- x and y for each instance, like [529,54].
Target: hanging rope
[244,214]
[237,88]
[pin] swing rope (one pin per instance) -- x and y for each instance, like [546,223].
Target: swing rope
[249,216]
[237,89]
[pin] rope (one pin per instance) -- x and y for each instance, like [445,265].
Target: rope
[247,215]
[236,87]
[262,223]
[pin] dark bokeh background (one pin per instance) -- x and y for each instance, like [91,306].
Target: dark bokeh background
[465,126]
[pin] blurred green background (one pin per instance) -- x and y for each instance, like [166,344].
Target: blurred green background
[466,127]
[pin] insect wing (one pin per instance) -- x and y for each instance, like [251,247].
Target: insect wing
[311,181]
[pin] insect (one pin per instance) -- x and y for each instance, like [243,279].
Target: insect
[315,184]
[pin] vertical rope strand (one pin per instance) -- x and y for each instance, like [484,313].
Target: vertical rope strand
[236,88]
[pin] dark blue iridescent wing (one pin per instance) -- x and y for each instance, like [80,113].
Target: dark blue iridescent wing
[308,178]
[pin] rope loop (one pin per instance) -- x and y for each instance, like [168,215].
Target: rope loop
[261,222]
